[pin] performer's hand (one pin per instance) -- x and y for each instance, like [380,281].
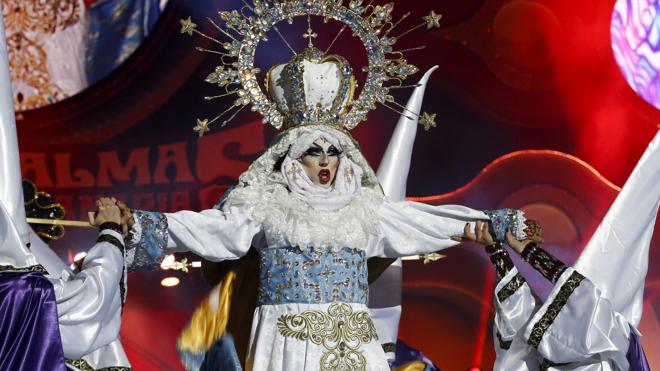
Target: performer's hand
[127,220]
[480,235]
[533,231]
[126,215]
[517,246]
[106,211]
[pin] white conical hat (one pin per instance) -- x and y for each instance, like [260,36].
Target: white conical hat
[616,258]
[14,230]
[395,165]
[385,292]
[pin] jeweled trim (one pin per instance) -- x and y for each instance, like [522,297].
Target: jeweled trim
[500,259]
[550,267]
[83,365]
[33,268]
[383,63]
[149,251]
[339,330]
[502,220]
[312,276]
[554,308]
[510,288]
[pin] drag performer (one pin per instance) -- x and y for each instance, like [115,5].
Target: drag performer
[218,321]
[589,320]
[313,242]
[50,313]
[310,205]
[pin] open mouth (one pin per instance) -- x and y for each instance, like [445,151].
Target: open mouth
[324,176]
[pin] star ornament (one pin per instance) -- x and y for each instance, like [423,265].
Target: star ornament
[187,26]
[432,257]
[432,20]
[202,127]
[427,120]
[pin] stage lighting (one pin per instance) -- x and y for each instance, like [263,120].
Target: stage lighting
[79,256]
[635,40]
[169,282]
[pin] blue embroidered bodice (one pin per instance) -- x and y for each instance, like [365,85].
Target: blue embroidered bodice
[294,275]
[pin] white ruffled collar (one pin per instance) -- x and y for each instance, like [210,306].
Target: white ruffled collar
[289,221]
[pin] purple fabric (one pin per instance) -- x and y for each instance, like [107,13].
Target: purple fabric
[29,332]
[636,356]
[406,354]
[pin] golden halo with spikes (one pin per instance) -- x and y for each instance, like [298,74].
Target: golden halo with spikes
[370,23]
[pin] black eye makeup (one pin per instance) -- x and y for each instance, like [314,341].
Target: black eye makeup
[316,150]
[333,151]
[313,151]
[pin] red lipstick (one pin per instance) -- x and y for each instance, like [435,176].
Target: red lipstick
[324,176]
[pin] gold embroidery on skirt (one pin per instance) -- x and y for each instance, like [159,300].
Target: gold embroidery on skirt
[339,330]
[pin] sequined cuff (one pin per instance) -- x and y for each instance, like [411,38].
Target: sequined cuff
[500,258]
[549,266]
[502,220]
[146,247]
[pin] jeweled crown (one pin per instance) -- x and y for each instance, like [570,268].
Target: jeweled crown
[313,87]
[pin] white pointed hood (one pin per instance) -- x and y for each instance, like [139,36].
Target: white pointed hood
[393,170]
[14,230]
[385,292]
[616,257]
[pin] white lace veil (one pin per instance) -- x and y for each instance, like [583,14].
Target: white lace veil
[263,191]
[265,171]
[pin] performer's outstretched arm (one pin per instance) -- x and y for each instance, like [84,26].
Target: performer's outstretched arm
[213,234]
[575,327]
[576,324]
[514,302]
[90,301]
[409,228]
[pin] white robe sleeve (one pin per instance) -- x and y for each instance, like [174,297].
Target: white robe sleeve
[514,305]
[89,302]
[409,228]
[212,234]
[577,325]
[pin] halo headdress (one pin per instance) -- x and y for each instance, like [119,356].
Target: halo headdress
[312,87]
